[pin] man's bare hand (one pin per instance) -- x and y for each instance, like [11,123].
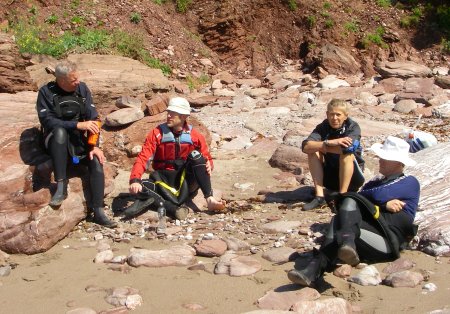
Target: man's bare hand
[343,142]
[394,206]
[90,126]
[135,188]
[99,153]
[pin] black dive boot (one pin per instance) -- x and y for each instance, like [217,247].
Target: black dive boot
[349,221]
[100,218]
[139,206]
[60,194]
[311,273]
[176,212]
[347,251]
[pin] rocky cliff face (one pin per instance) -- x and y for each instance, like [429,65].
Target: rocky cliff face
[13,76]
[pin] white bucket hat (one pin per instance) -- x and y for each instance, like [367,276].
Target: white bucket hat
[395,149]
[179,105]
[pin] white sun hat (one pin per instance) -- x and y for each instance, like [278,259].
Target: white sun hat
[393,148]
[179,105]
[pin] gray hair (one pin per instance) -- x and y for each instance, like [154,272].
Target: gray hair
[62,69]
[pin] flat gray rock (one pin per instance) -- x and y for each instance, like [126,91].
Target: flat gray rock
[180,255]
[405,278]
[280,255]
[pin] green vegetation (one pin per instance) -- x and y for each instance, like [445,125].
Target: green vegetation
[292,5]
[194,82]
[374,38]
[445,44]
[159,2]
[311,21]
[351,26]
[384,3]
[327,5]
[78,20]
[329,23]
[45,40]
[135,18]
[74,4]
[131,45]
[413,19]
[33,10]
[183,5]
[52,19]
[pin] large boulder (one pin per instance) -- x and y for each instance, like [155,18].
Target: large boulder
[336,60]
[433,172]
[403,69]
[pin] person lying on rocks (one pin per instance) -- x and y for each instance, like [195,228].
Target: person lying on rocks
[334,154]
[181,162]
[376,223]
[67,115]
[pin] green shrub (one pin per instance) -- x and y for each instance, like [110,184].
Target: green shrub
[327,5]
[182,5]
[384,3]
[159,2]
[311,21]
[292,5]
[78,20]
[443,17]
[52,19]
[74,4]
[154,63]
[135,18]
[92,40]
[374,38]
[131,45]
[194,82]
[445,44]
[33,10]
[351,27]
[329,23]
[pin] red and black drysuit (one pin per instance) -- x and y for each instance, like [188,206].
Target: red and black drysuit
[179,163]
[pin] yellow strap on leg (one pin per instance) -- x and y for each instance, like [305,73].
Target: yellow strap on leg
[171,189]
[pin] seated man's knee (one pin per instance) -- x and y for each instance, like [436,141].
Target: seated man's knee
[60,135]
[196,158]
[348,204]
[96,166]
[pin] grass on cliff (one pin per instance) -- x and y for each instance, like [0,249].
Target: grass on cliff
[41,39]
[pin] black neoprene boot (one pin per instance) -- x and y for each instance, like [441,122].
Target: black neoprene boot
[347,251]
[60,194]
[138,207]
[311,273]
[100,218]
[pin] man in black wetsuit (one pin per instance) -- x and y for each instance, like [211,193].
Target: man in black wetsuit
[67,114]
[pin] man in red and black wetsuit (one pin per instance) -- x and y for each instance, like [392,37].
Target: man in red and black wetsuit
[172,148]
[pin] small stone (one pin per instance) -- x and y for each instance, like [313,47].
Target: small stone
[5,271]
[194,306]
[104,256]
[429,287]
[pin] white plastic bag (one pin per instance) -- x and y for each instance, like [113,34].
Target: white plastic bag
[419,140]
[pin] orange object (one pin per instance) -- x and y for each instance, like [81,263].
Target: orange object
[93,137]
